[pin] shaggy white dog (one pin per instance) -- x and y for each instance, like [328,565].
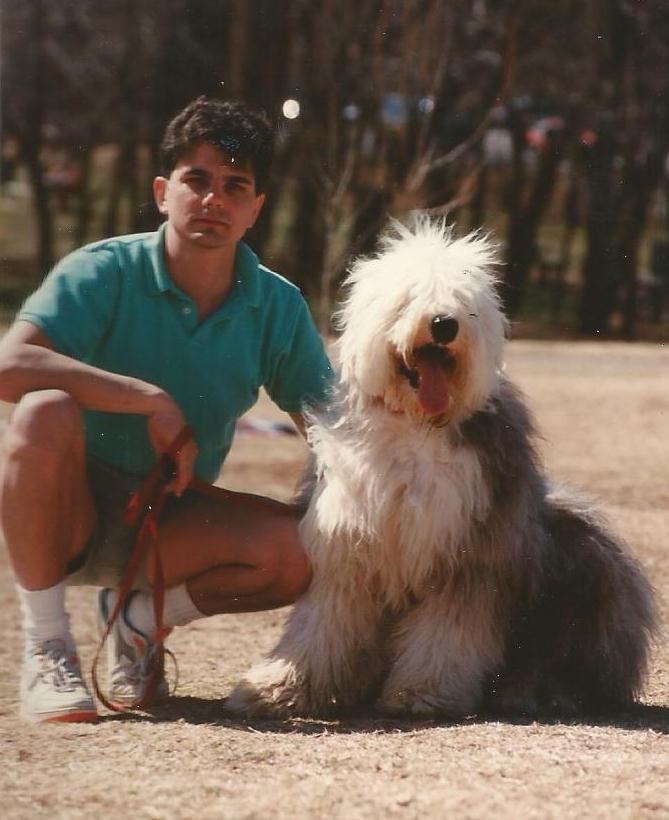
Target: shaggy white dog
[448,576]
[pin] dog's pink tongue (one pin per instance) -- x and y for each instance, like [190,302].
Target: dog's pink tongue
[432,387]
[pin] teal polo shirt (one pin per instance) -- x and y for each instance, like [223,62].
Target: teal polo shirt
[112,304]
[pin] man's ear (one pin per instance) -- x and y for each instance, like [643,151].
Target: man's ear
[260,201]
[159,191]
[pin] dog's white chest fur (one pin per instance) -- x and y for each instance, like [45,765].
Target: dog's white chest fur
[399,502]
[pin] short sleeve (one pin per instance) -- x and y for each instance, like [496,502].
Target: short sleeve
[75,303]
[302,374]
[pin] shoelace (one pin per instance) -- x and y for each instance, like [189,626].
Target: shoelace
[149,660]
[57,662]
[137,672]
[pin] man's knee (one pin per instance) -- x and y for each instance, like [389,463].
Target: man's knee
[49,420]
[294,569]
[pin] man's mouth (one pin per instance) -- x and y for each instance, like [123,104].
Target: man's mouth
[209,220]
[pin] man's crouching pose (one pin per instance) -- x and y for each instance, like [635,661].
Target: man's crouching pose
[127,341]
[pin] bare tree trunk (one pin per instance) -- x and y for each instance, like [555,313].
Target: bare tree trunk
[327,274]
[237,42]
[637,193]
[116,191]
[114,199]
[597,297]
[370,219]
[125,180]
[525,222]
[477,208]
[308,238]
[33,140]
[41,208]
[84,205]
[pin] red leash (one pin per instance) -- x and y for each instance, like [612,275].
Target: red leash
[148,501]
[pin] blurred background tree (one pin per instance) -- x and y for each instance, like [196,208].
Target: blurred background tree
[545,123]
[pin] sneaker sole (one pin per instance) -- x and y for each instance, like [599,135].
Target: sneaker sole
[128,700]
[79,716]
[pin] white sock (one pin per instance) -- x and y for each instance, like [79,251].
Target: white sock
[179,607]
[44,615]
[178,610]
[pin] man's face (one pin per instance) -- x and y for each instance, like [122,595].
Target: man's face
[209,199]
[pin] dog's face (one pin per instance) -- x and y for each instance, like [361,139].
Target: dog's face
[422,327]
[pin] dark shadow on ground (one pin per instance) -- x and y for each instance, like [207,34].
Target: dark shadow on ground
[199,711]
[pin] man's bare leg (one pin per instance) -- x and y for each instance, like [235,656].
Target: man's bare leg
[225,556]
[218,556]
[235,555]
[46,516]
[46,510]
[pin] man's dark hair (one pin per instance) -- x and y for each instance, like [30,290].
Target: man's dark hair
[245,135]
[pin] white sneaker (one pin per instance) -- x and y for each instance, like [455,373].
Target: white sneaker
[131,656]
[52,687]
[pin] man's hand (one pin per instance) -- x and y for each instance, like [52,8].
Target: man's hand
[163,425]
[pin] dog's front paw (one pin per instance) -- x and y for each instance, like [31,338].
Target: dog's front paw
[530,695]
[272,689]
[424,703]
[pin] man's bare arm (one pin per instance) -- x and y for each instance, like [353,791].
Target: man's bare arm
[28,362]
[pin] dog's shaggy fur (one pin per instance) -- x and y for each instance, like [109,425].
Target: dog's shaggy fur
[449,576]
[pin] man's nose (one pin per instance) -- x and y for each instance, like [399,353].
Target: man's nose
[214,196]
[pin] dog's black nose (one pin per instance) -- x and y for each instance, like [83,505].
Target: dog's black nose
[444,329]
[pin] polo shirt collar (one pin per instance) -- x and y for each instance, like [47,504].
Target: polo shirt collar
[246,285]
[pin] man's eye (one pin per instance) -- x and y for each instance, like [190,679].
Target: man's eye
[196,182]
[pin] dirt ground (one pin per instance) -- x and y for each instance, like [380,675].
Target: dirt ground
[604,412]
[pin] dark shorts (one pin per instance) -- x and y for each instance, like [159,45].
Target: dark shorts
[103,560]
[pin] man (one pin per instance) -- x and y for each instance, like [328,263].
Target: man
[126,341]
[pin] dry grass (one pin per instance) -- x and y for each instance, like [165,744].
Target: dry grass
[604,412]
